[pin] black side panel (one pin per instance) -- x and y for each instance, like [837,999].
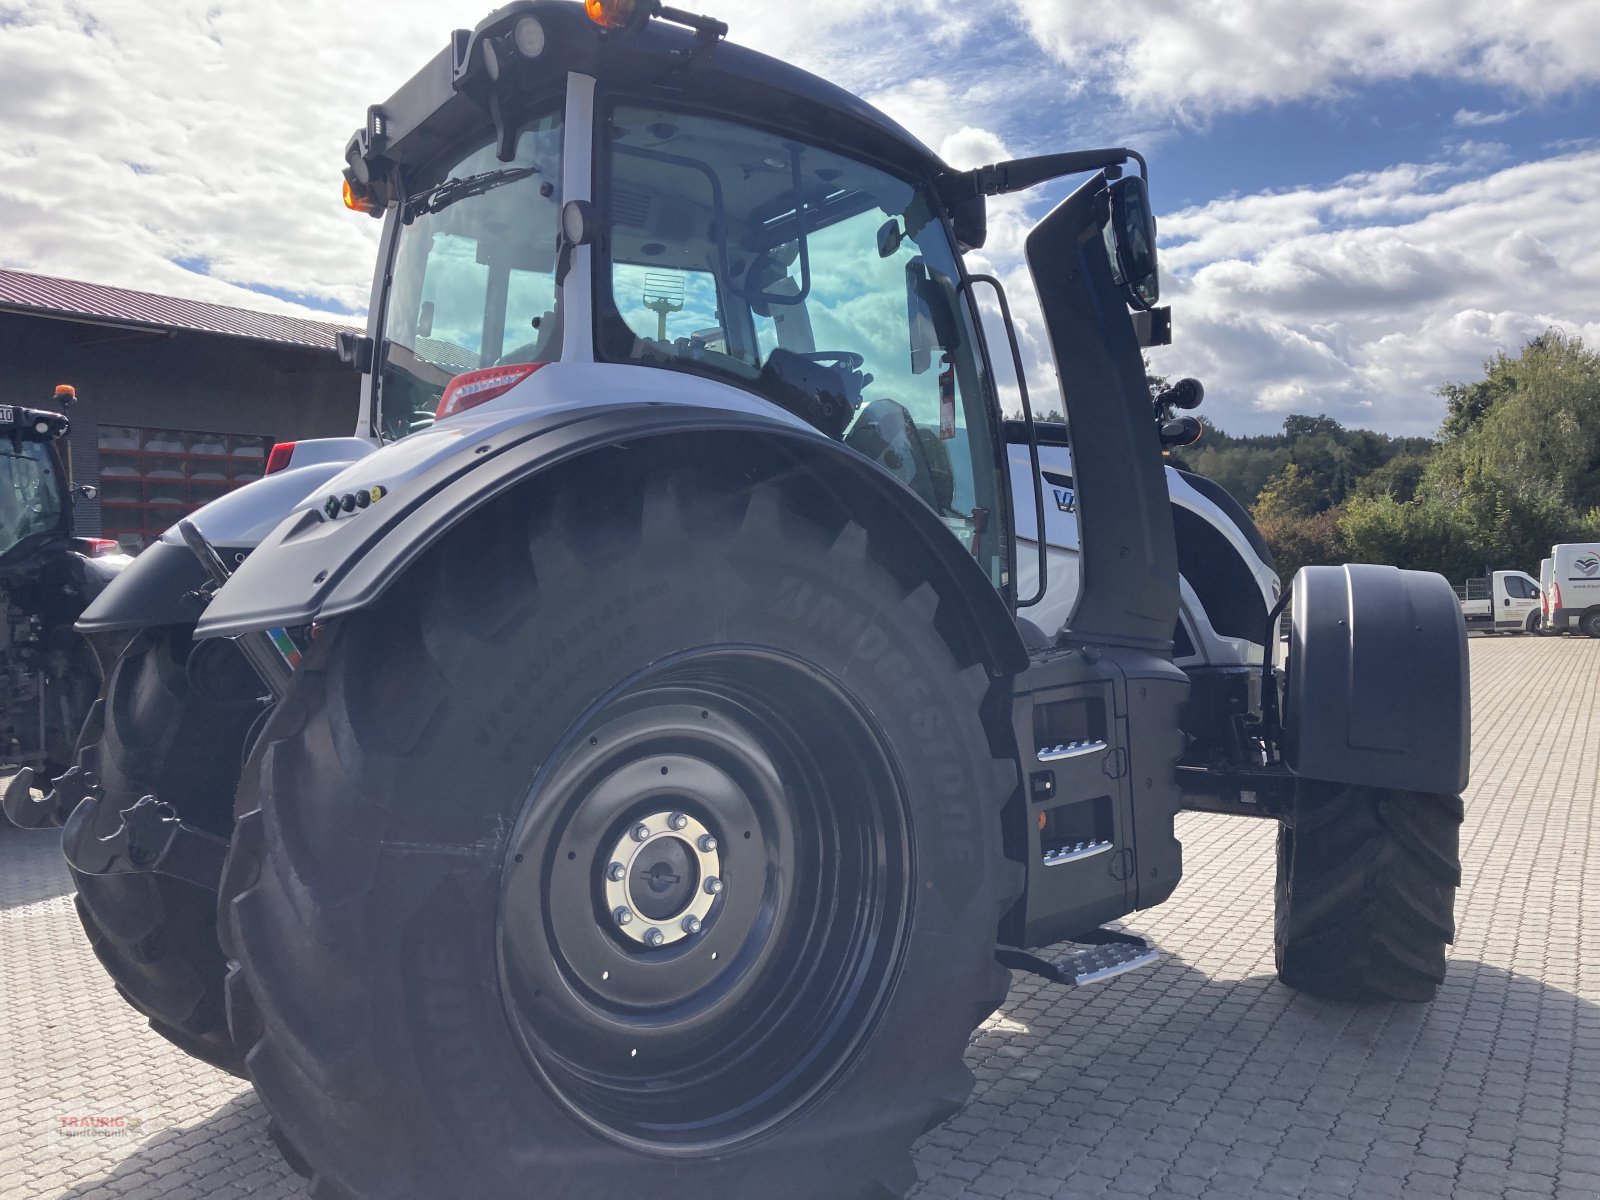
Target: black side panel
[157,589]
[1130,560]
[1377,680]
[1236,512]
[1099,738]
[1220,578]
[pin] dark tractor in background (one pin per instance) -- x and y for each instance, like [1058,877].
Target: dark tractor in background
[49,673]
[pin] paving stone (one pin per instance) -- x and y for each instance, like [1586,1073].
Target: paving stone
[1201,1078]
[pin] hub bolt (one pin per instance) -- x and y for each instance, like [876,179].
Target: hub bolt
[707,843]
[622,916]
[713,886]
[616,872]
[691,924]
[654,937]
[641,832]
[677,821]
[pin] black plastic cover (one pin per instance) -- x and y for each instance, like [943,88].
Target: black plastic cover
[157,588]
[1377,680]
[1236,512]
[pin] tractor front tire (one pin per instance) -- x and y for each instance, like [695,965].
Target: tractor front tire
[643,840]
[157,936]
[1366,889]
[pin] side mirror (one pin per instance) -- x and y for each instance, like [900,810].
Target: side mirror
[969,221]
[85,491]
[1132,234]
[355,349]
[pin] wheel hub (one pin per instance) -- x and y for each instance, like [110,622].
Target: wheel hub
[704,899]
[662,879]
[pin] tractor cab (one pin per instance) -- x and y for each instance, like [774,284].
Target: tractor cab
[35,493]
[47,577]
[567,190]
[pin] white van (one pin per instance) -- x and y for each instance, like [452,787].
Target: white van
[1545,577]
[1504,602]
[1575,588]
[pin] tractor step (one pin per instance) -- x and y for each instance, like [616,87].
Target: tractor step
[1089,965]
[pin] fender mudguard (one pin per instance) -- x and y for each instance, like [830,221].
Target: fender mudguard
[159,587]
[316,566]
[1376,690]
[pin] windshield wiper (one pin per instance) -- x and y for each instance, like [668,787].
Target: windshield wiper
[443,195]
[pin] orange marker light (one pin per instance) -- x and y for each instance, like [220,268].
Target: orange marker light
[65,391]
[611,14]
[358,201]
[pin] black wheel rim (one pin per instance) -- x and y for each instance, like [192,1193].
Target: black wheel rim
[698,1040]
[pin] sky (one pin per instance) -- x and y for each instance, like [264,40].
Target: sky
[1357,202]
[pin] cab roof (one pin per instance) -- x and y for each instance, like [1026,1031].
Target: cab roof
[449,98]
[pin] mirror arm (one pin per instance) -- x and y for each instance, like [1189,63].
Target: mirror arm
[999,179]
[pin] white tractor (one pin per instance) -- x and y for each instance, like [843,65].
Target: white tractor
[636,759]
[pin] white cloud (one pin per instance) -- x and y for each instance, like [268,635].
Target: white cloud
[135,134]
[1204,56]
[1360,299]
[1468,118]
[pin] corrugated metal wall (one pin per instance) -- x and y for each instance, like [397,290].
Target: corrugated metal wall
[181,380]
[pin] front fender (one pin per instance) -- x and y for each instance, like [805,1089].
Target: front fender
[315,566]
[1377,680]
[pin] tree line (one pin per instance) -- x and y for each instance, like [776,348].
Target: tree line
[1515,469]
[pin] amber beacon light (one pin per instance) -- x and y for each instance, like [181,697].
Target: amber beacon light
[358,199]
[614,14]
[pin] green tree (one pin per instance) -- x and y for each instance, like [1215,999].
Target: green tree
[1398,478]
[1296,522]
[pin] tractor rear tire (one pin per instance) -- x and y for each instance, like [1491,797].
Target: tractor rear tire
[157,936]
[1366,889]
[434,992]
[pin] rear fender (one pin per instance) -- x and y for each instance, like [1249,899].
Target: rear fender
[1376,689]
[159,587]
[315,566]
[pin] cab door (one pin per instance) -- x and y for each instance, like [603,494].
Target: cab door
[1516,596]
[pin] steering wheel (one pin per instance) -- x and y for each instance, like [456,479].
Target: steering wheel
[846,360]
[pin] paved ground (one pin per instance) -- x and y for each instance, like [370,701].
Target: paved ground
[1200,1077]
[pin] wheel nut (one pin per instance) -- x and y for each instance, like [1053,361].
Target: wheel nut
[654,937]
[713,886]
[691,924]
[616,872]
[641,832]
[677,820]
[707,843]
[622,916]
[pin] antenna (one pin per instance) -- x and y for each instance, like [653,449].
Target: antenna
[663,295]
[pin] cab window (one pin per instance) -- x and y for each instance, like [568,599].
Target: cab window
[474,273]
[821,283]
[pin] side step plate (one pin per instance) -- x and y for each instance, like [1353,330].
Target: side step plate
[1096,964]
[1089,965]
